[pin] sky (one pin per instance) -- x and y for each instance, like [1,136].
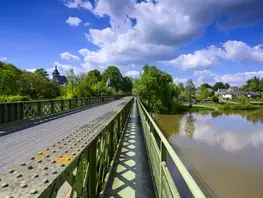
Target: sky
[203,40]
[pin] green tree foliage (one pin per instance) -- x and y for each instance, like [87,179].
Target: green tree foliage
[215,99]
[42,72]
[36,86]
[190,126]
[227,86]
[22,85]
[73,81]
[156,89]
[189,91]
[9,74]
[127,85]
[218,85]
[206,86]
[115,76]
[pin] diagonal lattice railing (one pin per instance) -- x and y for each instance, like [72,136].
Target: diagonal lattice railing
[158,150]
[14,111]
[75,166]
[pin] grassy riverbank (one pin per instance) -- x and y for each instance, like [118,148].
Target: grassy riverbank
[237,106]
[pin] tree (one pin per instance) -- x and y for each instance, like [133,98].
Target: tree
[9,74]
[190,126]
[218,85]
[73,80]
[42,72]
[215,99]
[127,85]
[36,86]
[154,87]
[115,76]
[253,84]
[206,85]
[190,91]
[227,86]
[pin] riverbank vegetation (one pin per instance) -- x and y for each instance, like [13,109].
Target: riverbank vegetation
[159,94]
[20,85]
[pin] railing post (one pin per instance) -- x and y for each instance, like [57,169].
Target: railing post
[52,106]
[13,112]
[20,111]
[62,105]
[6,113]
[39,109]
[69,103]
[92,183]
[2,113]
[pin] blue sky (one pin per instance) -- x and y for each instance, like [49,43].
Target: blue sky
[205,40]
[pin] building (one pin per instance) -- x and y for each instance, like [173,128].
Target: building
[61,80]
[108,83]
[234,92]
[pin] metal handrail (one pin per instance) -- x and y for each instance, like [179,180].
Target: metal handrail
[15,111]
[76,165]
[165,145]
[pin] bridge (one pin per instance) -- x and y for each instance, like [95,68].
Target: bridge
[88,147]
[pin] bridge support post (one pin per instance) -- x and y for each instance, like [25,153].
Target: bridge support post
[39,109]
[92,181]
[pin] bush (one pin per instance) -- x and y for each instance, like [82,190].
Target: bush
[5,98]
[215,99]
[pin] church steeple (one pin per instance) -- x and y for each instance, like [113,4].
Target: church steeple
[55,72]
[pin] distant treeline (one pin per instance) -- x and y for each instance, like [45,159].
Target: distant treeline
[20,85]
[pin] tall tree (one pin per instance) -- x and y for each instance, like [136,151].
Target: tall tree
[42,72]
[73,80]
[227,86]
[218,85]
[9,74]
[206,85]
[154,86]
[127,85]
[115,76]
[190,91]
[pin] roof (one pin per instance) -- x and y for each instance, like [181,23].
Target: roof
[61,79]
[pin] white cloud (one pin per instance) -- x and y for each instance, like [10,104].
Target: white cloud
[179,80]
[4,59]
[239,78]
[63,69]
[73,21]
[235,79]
[68,56]
[151,31]
[86,24]
[31,69]
[134,74]
[230,141]
[230,50]
[78,4]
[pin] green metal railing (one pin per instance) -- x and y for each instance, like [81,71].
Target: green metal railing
[14,111]
[76,166]
[158,148]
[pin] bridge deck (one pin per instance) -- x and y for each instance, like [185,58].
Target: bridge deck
[20,145]
[131,173]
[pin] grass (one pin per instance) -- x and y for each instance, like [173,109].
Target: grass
[238,106]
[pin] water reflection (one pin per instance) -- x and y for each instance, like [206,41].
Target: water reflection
[231,131]
[225,149]
[189,126]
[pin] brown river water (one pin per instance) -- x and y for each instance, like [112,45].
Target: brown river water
[226,149]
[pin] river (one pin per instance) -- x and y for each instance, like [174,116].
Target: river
[226,149]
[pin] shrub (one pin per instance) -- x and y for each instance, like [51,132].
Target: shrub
[215,99]
[5,98]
